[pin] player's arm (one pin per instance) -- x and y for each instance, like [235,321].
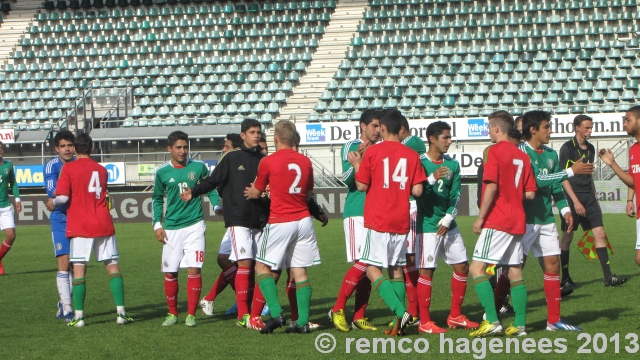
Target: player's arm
[50,179]
[488,197]
[348,171]
[214,197]
[14,189]
[631,209]
[363,176]
[260,184]
[419,178]
[454,199]
[157,201]
[530,185]
[219,175]
[607,157]
[558,194]
[63,188]
[316,211]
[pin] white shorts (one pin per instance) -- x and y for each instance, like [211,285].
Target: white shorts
[6,218]
[184,249]
[384,249]
[225,244]
[354,233]
[104,248]
[413,234]
[498,247]
[449,248]
[287,245]
[542,239]
[243,242]
[638,234]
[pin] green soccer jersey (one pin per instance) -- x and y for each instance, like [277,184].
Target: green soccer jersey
[7,181]
[173,181]
[354,205]
[440,199]
[416,144]
[549,180]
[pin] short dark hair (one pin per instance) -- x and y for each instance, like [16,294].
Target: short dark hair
[533,119]
[392,119]
[515,134]
[236,140]
[503,120]
[263,137]
[577,121]
[436,128]
[635,110]
[368,115]
[63,135]
[83,144]
[175,136]
[248,124]
[296,139]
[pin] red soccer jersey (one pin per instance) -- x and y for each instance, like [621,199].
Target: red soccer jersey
[290,178]
[634,170]
[390,169]
[84,181]
[510,168]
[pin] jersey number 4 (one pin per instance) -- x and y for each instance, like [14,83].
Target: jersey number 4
[399,174]
[94,184]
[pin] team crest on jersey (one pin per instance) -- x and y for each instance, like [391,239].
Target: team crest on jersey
[58,246]
[242,250]
[430,258]
[550,163]
[449,175]
[6,171]
[192,175]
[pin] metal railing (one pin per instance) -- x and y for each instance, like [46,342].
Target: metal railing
[120,109]
[322,176]
[603,171]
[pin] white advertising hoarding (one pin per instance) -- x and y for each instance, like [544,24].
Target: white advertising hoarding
[115,172]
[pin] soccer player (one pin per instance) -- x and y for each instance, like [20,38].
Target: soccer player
[542,235]
[438,234]
[83,185]
[389,173]
[632,176]
[63,145]
[289,239]
[354,231]
[182,235]
[508,179]
[7,223]
[263,144]
[243,219]
[583,202]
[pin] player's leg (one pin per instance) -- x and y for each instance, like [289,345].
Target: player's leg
[410,269]
[172,254]
[227,275]
[79,255]
[454,253]
[193,258]
[243,252]
[7,224]
[106,251]
[61,250]
[610,279]
[426,248]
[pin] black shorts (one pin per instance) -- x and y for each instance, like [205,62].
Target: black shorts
[593,216]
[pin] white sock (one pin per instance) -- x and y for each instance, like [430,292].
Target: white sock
[62,280]
[79,314]
[120,310]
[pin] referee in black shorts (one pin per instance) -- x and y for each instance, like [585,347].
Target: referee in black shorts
[581,196]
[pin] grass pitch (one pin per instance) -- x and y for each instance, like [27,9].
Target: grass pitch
[29,329]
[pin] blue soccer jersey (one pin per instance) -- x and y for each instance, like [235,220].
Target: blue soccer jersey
[51,173]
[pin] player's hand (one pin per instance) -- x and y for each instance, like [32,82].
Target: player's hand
[607,156]
[161,235]
[363,147]
[324,219]
[18,207]
[50,205]
[580,210]
[219,212]
[442,231]
[354,159]
[477,226]
[441,173]
[186,195]
[581,168]
[631,209]
[568,219]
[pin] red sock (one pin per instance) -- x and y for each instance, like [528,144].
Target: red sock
[503,287]
[258,302]
[349,283]
[218,286]
[424,298]
[458,288]
[363,291]
[171,293]
[293,300]
[194,288]
[411,283]
[4,249]
[553,295]
[242,290]
[230,275]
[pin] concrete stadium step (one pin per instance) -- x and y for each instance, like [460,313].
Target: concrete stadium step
[15,24]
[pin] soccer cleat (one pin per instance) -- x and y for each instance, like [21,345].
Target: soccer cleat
[515,331]
[399,325]
[265,310]
[566,290]
[170,320]
[77,322]
[60,312]
[207,307]
[123,319]
[568,281]
[614,280]
[295,329]
[1,268]
[272,324]
[461,322]
[255,323]
[414,321]
[562,326]
[394,329]
[363,324]
[68,317]
[506,308]
[190,321]
[487,329]
[314,326]
[430,328]
[242,322]
[338,319]
[232,310]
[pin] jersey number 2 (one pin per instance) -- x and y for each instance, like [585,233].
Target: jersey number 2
[399,174]
[294,189]
[94,184]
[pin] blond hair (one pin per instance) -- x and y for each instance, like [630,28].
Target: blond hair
[286,132]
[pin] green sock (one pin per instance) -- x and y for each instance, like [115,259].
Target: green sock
[270,292]
[399,288]
[117,288]
[485,294]
[519,299]
[303,296]
[388,295]
[79,292]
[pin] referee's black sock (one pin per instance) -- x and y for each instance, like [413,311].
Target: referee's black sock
[564,262]
[603,255]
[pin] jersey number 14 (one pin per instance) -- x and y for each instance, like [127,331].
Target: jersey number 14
[399,174]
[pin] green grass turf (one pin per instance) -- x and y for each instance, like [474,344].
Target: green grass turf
[28,296]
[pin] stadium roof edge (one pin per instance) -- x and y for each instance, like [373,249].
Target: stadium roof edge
[29,137]
[150,133]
